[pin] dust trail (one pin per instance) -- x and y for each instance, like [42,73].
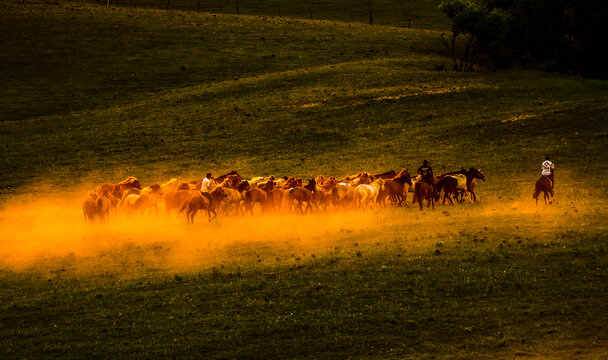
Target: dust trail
[50,235]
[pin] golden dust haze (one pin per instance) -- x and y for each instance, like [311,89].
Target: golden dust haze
[50,235]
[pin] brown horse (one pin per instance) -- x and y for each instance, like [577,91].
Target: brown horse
[423,192]
[89,208]
[472,175]
[342,195]
[275,198]
[173,199]
[545,185]
[202,201]
[255,196]
[323,192]
[449,185]
[301,195]
[114,191]
[396,187]
[103,205]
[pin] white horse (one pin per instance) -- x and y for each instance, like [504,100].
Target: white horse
[364,194]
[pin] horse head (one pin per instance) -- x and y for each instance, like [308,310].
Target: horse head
[244,185]
[312,185]
[268,186]
[475,174]
[157,189]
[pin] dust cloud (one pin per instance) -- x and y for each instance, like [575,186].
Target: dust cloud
[49,235]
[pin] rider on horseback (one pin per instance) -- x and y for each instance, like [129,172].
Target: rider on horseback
[548,170]
[206,183]
[426,173]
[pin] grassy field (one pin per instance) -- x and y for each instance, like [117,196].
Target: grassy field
[420,14]
[93,94]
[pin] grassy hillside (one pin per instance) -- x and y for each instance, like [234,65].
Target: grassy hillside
[101,93]
[420,14]
[91,95]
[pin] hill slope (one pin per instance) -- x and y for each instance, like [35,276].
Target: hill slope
[101,93]
[91,95]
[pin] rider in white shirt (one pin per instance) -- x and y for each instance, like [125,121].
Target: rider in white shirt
[548,169]
[205,183]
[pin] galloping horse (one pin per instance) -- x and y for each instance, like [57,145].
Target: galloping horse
[396,187]
[472,175]
[89,208]
[545,185]
[450,185]
[423,192]
[203,201]
[258,195]
[103,205]
[368,194]
[301,195]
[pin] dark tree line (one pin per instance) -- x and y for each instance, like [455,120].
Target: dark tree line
[568,36]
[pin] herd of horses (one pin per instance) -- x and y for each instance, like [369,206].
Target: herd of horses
[232,194]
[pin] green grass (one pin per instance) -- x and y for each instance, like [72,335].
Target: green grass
[421,14]
[91,95]
[473,296]
[101,94]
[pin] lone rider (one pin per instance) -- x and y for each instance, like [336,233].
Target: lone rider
[426,173]
[548,170]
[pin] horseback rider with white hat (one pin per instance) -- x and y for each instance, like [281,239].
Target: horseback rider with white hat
[548,167]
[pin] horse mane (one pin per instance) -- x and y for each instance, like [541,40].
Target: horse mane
[242,186]
[183,186]
[222,177]
[388,174]
[402,177]
[128,181]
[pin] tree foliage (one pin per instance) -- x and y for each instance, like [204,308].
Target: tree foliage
[558,35]
[477,33]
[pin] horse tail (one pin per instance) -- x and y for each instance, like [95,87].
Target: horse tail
[184,205]
[440,184]
[537,188]
[288,199]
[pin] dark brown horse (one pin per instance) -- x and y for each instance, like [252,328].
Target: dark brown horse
[423,192]
[545,185]
[302,195]
[449,185]
[472,175]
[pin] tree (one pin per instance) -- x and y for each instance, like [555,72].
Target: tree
[556,35]
[406,10]
[477,33]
